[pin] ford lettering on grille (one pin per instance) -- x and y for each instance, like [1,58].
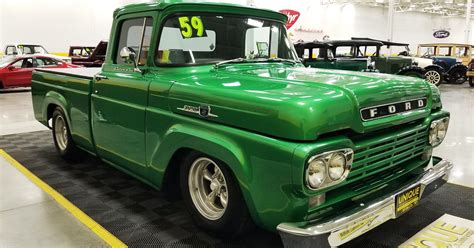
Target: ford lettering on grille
[391,109]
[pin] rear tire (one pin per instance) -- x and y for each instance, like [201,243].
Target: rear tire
[63,142]
[434,76]
[470,82]
[213,196]
[458,76]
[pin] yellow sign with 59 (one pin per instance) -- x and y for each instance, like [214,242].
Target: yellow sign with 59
[191,27]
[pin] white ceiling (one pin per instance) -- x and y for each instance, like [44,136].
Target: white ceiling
[446,8]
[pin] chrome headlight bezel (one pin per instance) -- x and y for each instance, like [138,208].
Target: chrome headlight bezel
[326,158]
[437,131]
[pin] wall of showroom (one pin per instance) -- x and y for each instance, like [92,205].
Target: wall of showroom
[58,24]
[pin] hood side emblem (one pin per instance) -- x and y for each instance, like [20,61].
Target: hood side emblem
[203,110]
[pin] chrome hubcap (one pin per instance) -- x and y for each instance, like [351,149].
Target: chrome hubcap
[60,132]
[208,188]
[433,77]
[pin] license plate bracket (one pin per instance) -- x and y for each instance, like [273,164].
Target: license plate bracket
[407,200]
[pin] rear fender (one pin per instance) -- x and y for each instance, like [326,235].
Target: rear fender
[457,66]
[55,98]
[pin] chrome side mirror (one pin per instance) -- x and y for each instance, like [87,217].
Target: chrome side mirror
[129,56]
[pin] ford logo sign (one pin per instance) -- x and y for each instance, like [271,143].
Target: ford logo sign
[441,34]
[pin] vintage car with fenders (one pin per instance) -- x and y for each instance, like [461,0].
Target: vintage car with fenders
[210,100]
[13,50]
[452,57]
[434,73]
[355,55]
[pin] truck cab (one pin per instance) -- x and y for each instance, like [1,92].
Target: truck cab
[209,101]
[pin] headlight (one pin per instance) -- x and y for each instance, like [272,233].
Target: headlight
[438,130]
[336,166]
[328,168]
[316,173]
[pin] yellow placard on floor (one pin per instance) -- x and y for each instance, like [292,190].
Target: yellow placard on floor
[446,232]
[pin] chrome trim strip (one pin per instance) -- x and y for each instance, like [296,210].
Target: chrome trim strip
[440,170]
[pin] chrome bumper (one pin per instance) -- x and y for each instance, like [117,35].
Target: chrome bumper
[356,222]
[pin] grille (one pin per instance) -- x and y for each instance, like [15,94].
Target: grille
[381,153]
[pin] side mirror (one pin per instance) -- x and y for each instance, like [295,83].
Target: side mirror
[129,55]
[11,67]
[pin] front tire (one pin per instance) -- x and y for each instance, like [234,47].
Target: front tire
[62,137]
[434,76]
[470,82]
[213,196]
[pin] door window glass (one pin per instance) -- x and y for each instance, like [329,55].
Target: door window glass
[343,51]
[18,63]
[27,63]
[11,50]
[131,33]
[42,62]
[461,51]
[444,51]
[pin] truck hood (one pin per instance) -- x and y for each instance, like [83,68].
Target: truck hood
[294,103]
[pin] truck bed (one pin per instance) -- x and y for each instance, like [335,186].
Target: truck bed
[86,73]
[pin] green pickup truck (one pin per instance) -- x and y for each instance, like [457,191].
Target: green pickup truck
[211,102]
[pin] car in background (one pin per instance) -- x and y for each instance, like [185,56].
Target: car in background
[16,71]
[434,73]
[30,49]
[453,58]
[470,73]
[80,51]
[355,55]
[89,56]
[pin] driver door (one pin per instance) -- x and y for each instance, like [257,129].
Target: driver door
[119,98]
[20,74]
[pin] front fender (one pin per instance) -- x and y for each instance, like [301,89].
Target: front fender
[262,166]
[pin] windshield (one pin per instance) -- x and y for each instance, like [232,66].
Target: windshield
[32,49]
[204,39]
[6,61]
[426,52]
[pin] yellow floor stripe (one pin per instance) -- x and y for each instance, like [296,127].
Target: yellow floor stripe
[75,211]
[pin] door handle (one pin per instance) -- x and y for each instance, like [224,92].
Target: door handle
[96,92]
[100,77]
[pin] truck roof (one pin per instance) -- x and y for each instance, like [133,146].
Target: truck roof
[353,42]
[163,4]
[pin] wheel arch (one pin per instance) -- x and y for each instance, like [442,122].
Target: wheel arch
[435,67]
[182,139]
[51,101]
[457,66]
[411,68]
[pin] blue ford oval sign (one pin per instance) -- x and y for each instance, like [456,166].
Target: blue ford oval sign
[441,34]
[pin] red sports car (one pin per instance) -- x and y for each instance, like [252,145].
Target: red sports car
[16,72]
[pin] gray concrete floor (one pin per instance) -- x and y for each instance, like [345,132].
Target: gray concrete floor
[30,218]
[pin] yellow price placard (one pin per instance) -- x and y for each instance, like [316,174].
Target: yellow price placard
[191,27]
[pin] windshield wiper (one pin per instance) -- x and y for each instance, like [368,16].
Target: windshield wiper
[258,60]
[294,62]
[230,61]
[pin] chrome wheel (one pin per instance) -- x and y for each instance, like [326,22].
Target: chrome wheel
[433,77]
[208,188]
[60,132]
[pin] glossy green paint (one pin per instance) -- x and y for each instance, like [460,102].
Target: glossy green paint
[270,117]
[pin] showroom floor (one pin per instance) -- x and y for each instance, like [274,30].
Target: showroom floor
[26,209]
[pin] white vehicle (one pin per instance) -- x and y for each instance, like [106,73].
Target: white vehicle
[29,49]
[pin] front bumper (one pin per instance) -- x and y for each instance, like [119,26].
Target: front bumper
[362,219]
